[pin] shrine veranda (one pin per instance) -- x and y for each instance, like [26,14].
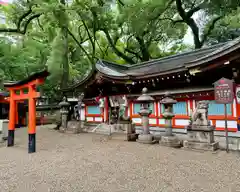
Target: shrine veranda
[188,77]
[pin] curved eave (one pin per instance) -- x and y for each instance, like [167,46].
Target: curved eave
[142,76]
[163,73]
[226,50]
[106,71]
[82,82]
[42,74]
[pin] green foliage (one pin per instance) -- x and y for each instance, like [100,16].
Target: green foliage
[55,60]
[227,29]
[69,38]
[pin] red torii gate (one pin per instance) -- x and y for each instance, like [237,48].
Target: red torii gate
[25,90]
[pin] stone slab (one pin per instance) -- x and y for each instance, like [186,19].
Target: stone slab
[201,145]
[170,141]
[146,139]
[73,127]
[200,136]
[132,137]
[200,128]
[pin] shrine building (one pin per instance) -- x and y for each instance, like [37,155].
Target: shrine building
[187,76]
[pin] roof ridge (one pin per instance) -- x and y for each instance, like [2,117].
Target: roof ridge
[112,63]
[196,51]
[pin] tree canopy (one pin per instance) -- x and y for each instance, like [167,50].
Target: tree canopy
[68,37]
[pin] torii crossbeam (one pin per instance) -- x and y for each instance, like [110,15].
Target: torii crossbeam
[25,90]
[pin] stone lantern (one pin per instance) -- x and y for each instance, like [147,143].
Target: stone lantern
[168,138]
[145,99]
[64,109]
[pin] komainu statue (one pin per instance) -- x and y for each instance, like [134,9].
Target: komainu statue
[200,114]
[200,131]
[123,109]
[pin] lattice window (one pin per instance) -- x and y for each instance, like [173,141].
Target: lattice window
[218,109]
[180,108]
[93,110]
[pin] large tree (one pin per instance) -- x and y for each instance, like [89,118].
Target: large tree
[69,37]
[214,11]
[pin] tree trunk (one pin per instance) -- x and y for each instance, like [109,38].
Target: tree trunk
[64,31]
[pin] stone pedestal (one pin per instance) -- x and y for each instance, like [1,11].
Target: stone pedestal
[64,123]
[131,132]
[145,137]
[64,105]
[4,128]
[74,127]
[201,137]
[169,139]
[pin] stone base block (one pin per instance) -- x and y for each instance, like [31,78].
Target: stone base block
[201,146]
[4,138]
[157,137]
[132,137]
[146,139]
[200,136]
[73,127]
[170,141]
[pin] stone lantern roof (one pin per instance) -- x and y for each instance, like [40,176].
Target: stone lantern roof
[168,99]
[145,98]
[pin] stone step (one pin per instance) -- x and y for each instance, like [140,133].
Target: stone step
[103,129]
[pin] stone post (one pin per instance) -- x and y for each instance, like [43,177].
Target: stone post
[168,139]
[145,137]
[80,102]
[64,114]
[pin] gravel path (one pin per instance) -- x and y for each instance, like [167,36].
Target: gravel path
[79,163]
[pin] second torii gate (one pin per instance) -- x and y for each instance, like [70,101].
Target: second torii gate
[25,90]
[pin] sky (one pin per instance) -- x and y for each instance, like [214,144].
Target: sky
[5,1]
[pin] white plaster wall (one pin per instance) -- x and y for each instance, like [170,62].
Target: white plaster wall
[98,119]
[161,121]
[128,111]
[230,124]
[189,107]
[89,118]
[234,108]
[152,121]
[82,114]
[181,122]
[137,120]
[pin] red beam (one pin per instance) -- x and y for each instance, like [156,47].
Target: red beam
[26,96]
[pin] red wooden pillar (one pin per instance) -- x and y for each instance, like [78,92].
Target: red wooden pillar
[12,119]
[17,115]
[31,120]
[107,109]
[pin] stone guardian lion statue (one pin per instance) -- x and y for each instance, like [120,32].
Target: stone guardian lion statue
[200,114]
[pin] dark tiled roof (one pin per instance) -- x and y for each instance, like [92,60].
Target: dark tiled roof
[4,94]
[172,64]
[166,64]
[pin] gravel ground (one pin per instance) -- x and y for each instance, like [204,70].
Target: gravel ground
[85,162]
